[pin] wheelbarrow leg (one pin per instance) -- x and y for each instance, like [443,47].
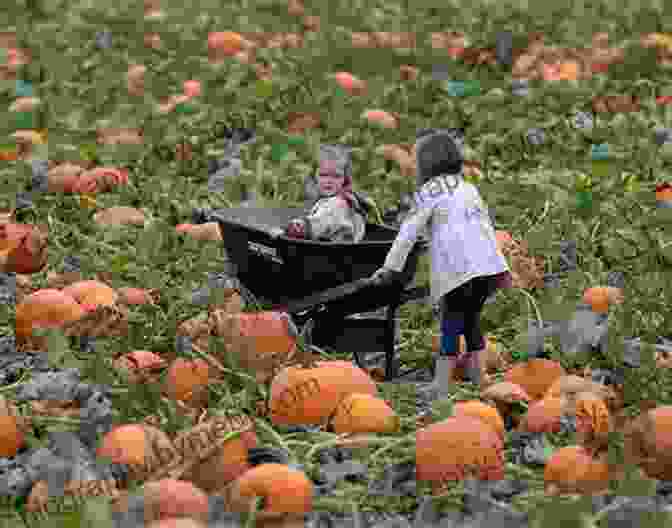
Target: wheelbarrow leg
[391,365]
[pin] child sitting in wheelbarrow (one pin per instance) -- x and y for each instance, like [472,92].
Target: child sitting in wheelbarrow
[339,214]
[466,264]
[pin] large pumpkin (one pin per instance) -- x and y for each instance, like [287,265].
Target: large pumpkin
[535,376]
[476,409]
[459,447]
[45,309]
[309,396]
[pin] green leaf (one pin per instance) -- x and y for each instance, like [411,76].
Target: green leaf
[279,151]
[263,88]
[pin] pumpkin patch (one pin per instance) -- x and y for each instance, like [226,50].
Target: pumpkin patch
[157,358]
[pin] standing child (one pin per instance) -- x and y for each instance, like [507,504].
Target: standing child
[338,215]
[466,264]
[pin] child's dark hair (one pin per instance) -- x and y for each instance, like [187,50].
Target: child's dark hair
[438,155]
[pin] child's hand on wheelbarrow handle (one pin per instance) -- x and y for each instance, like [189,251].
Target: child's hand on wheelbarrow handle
[384,276]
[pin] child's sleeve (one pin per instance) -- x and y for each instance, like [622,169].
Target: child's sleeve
[414,225]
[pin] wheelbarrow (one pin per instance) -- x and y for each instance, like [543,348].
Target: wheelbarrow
[326,282]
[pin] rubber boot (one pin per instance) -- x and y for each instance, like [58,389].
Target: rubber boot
[444,376]
[474,369]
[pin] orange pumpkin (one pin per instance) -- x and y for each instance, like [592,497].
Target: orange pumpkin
[137,365]
[169,499]
[92,293]
[227,464]
[285,490]
[364,413]
[23,248]
[140,446]
[305,396]
[459,447]
[227,43]
[12,437]
[477,409]
[187,379]
[573,469]
[45,309]
[600,298]
[543,416]
[535,376]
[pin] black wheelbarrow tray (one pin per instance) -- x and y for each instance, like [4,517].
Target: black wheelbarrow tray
[327,282]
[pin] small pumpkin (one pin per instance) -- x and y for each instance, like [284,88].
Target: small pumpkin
[171,499]
[138,296]
[364,413]
[457,448]
[308,396]
[47,308]
[92,293]
[351,84]
[141,447]
[600,298]
[139,365]
[573,469]
[12,436]
[535,376]
[187,380]
[284,490]
[118,216]
[23,248]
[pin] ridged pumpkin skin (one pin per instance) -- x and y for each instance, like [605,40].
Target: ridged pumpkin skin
[535,376]
[284,489]
[48,308]
[309,396]
[92,292]
[451,449]
[476,409]
[572,469]
[364,413]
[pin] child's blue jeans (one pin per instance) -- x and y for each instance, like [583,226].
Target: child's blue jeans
[461,315]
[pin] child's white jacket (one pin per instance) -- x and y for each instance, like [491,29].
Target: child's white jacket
[450,212]
[332,219]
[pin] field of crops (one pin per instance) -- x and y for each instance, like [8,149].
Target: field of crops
[140,382]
